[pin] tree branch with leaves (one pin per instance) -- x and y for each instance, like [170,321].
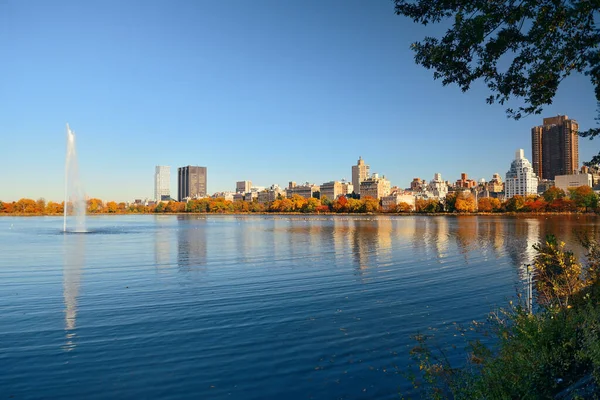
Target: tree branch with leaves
[520,49]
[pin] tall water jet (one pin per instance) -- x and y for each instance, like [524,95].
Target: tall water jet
[74,194]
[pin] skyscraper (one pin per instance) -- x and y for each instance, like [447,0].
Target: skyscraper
[191,182]
[555,147]
[162,183]
[360,172]
[243,186]
[520,178]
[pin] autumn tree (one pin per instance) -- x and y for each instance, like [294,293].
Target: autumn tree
[25,206]
[553,193]
[311,205]
[584,197]
[488,204]
[197,205]
[515,203]
[340,204]
[521,50]
[175,207]
[355,205]
[322,208]
[112,207]
[95,206]
[558,274]
[428,206]
[465,202]
[371,204]
[561,205]
[160,207]
[54,208]
[450,201]
[535,204]
[40,206]
[403,207]
[220,205]
[257,207]
[8,208]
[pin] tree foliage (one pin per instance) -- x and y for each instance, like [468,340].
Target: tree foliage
[584,197]
[557,272]
[520,49]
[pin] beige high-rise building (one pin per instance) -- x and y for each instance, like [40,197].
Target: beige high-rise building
[555,147]
[334,189]
[375,187]
[360,172]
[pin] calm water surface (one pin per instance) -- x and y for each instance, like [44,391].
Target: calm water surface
[245,307]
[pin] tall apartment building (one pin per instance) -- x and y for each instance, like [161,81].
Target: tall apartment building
[162,182]
[555,147]
[520,178]
[243,186]
[360,172]
[375,187]
[191,182]
[437,187]
[334,189]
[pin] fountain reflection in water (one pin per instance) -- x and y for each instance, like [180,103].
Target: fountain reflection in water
[73,263]
[74,194]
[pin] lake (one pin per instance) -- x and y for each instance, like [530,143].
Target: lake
[252,307]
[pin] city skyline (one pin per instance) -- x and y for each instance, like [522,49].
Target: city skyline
[271,92]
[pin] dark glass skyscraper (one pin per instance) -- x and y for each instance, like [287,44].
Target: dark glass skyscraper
[191,182]
[555,147]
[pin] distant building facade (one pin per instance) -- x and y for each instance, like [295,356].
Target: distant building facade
[249,197]
[238,197]
[544,185]
[387,202]
[495,185]
[192,181]
[223,195]
[162,183]
[334,189]
[437,187]
[243,186]
[418,185]
[520,178]
[464,182]
[565,182]
[307,190]
[375,187]
[360,172]
[269,195]
[555,147]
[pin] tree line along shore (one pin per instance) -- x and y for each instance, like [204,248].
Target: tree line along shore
[554,200]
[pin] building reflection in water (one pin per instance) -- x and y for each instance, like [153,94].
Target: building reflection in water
[191,243]
[373,241]
[73,264]
[442,237]
[162,242]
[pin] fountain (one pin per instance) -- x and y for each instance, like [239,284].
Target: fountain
[74,194]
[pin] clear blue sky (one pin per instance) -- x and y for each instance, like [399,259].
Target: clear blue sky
[268,91]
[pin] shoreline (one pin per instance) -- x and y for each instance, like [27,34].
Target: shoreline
[405,214]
